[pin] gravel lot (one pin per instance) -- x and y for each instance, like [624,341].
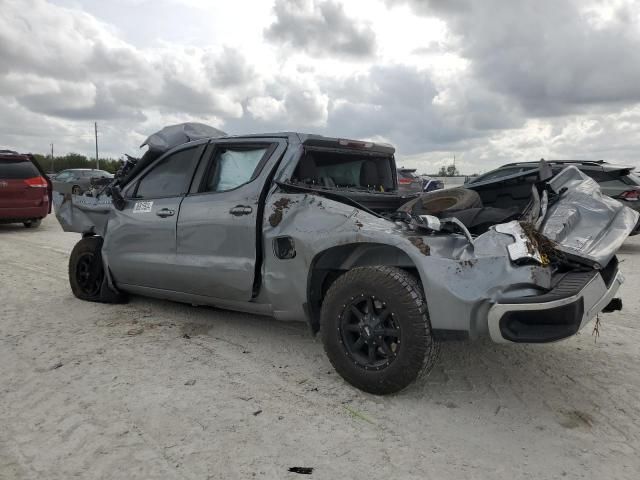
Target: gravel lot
[154,389]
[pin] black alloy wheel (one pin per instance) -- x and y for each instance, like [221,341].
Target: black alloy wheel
[89,274]
[375,328]
[369,331]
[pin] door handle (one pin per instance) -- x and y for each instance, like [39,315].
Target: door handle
[165,212]
[240,210]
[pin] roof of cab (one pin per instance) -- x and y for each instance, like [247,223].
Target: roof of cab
[312,139]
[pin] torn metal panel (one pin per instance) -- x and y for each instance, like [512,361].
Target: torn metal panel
[585,224]
[522,248]
[82,214]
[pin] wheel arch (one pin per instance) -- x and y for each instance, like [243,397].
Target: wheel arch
[329,264]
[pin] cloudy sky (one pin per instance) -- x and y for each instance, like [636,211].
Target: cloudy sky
[488,81]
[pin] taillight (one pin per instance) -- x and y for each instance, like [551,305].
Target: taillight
[404,181]
[355,144]
[37,182]
[630,195]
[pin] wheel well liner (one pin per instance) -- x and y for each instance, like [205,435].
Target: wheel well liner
[329,264]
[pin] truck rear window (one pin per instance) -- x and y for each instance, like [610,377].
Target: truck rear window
[345,170]
[17,169]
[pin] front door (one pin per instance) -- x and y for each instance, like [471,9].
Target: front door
[217,222]
[141,243]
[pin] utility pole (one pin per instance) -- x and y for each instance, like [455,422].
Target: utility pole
[95,126]
[52,169]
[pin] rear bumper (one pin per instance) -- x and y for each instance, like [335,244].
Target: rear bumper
[9,215]
[558,314]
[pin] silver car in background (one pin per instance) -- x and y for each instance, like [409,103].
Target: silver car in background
[409,183]
[76,180]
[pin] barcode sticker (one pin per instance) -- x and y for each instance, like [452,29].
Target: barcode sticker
[142,207]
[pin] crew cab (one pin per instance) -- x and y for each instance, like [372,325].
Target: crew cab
[311,228]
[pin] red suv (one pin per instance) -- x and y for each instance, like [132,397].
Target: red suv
[25,190]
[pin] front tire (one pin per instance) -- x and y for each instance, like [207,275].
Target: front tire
[86,273]
[375,329]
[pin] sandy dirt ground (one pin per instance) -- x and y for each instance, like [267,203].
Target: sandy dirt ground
[159,390]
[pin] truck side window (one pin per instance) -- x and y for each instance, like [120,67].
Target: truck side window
[233,167]
[170,177]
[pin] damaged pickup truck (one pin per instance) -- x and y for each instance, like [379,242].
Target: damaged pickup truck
[305,227]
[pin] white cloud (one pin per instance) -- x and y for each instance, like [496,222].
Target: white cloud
[266,108]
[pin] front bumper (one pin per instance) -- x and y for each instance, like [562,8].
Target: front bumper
[575,300]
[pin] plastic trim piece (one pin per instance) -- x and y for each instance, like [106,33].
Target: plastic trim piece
[595,294]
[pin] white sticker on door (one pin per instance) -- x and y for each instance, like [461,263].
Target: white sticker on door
[142,207]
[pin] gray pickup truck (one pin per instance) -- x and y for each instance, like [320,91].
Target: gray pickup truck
[305,227]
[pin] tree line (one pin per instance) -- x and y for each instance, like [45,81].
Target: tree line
[448,171]
[75,160]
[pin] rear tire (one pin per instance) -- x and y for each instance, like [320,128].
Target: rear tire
[375,329]
[32,223]
[86,273]
[75,190]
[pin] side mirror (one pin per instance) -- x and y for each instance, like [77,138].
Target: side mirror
[117,199]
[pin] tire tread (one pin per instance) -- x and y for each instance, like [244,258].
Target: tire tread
[405,288]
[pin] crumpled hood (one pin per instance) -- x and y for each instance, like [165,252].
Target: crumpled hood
[586,225]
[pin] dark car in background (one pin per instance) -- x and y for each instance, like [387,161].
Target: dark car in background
[25,190]
[617,181]
[429,184]
[77,180]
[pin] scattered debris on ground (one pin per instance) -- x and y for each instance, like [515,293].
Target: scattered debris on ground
[596,328]
[355,413]
[135,331]
[302,470]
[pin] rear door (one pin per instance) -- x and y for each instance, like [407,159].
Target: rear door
[141,242]
[217,238]
[20,184]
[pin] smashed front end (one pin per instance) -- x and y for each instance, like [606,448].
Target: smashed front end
[579,230]
[540,277]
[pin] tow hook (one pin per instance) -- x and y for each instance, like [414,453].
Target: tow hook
[613,306]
